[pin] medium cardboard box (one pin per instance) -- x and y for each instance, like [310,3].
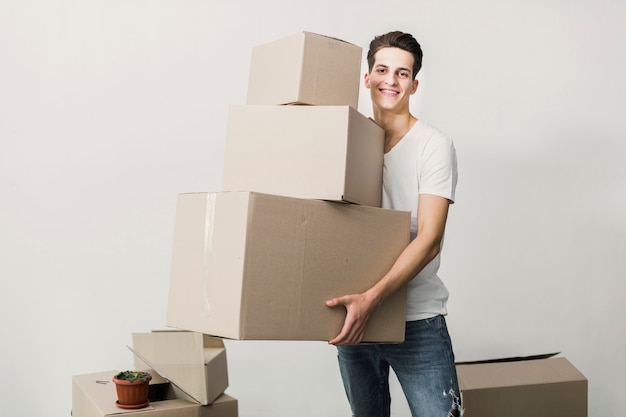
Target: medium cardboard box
[325,153]
[305,68]
[256,266]
[522,388]
[94,395]
[194,362]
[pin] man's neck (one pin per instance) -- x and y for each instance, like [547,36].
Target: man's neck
[396,126]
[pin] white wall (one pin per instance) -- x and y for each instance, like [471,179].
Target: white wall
[109,109]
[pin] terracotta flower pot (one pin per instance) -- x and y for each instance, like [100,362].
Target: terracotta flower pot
[132,394]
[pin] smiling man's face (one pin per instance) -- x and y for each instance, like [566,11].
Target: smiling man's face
[391,80]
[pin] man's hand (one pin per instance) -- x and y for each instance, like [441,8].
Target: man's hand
[359,308]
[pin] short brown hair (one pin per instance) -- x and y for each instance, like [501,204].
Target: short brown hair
[396,39]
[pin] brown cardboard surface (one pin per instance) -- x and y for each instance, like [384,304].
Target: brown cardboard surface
[305,68]
[93,395]
[257,266]
[194,362]
[318,152]
[539,388]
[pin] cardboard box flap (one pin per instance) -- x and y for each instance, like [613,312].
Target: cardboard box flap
[193,362]
[510,359]
[183,393]
[517,373]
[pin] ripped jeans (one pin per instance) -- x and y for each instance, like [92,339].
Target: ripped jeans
[423,363]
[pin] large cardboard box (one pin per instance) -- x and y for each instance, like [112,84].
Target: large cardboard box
[256,266]
[326,153]
[94,395]
[522,388]
[305,68]
[194,362]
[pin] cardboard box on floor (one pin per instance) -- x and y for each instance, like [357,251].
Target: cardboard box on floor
[317,152]
[521,388]
[256,266]
[193,362]
[94,395]
[305,68]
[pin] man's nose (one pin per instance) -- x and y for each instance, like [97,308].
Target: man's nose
[390,78]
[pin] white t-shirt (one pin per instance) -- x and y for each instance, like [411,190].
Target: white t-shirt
[423,162]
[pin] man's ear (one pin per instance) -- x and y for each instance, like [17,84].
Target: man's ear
[366,78]
[414,87]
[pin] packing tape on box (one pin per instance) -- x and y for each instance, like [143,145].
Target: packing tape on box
[209,221]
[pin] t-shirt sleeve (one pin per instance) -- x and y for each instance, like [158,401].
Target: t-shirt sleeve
[438,171]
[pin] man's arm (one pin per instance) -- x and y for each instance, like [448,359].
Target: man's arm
[431,221]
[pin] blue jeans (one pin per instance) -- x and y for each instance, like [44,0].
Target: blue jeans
[423,363]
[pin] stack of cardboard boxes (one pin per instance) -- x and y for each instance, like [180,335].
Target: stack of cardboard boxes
[298,220]
[189,377]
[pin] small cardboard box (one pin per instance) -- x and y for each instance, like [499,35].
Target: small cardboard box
[94,395]
[521,388]
[256,266]
[326,153]
[305,68]
[194,362]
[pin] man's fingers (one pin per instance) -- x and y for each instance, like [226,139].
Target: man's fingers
[352,331]
[348,334]
[333,302]
[342,337]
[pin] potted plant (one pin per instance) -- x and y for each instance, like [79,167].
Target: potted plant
[132,389]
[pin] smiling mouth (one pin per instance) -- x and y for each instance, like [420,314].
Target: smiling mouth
[388,92]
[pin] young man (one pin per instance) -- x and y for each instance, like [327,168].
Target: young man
[419,176]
